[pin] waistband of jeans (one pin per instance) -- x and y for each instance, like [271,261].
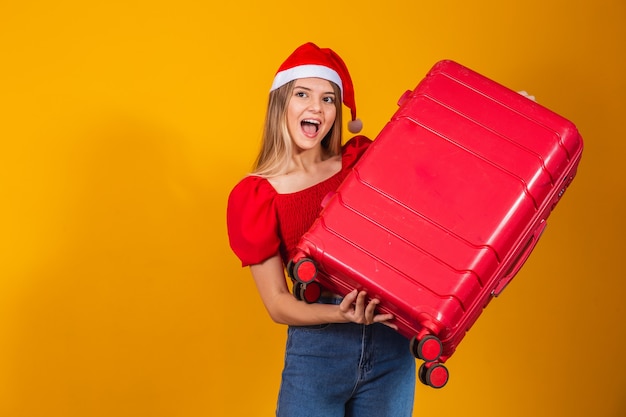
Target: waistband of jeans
[324,299]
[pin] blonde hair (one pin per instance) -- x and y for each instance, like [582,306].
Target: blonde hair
[276,145]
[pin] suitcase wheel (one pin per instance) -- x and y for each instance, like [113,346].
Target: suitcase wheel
[297,290]
[304,270]
[429,348]
[433,374]
[290,269]
[309,293]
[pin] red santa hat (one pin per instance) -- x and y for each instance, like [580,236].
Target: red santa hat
[309,60]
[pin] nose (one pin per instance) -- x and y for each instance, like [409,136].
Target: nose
[316,105]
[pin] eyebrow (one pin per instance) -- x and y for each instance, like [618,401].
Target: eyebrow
[309,89]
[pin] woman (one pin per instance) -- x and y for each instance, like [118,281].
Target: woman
[342,358]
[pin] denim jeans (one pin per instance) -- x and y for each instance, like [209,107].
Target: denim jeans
[346,370]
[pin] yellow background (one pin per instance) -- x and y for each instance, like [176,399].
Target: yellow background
[124,125]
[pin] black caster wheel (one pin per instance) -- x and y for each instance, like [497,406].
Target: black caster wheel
[308,293]
[433,374]
[429,348]
[290,269]
[304,270]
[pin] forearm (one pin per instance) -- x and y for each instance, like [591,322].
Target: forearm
[281,305]
[284,308]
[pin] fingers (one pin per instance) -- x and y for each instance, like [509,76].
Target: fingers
[370,311]
[525,94]
[352,306]
[393,326]
[372,317]
[346,305]
[355,308]
[360,306]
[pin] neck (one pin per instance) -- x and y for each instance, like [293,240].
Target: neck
[306,160]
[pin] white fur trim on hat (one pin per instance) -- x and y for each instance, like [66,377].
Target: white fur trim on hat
[306,71]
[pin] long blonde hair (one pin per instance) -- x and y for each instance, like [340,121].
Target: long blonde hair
[276,145]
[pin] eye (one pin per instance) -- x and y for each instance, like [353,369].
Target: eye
[300,94]
[329,99]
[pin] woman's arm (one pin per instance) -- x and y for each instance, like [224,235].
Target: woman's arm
[284,308]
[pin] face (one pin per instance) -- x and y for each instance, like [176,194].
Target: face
[311,112]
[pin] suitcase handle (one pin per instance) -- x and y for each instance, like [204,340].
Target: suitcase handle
[327,198]
[404,97]
[521,259]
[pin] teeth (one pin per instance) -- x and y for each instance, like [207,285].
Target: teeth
[314,122]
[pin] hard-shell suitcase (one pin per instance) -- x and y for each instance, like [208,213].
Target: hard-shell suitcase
[443,209]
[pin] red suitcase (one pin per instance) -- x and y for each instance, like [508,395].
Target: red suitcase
[443,208]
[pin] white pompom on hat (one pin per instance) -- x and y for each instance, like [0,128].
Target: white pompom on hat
[309,60]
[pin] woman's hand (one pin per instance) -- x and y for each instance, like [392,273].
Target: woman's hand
[356,309]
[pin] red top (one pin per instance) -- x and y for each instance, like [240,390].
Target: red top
[261,222]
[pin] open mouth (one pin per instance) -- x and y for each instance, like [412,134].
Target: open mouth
[310,126]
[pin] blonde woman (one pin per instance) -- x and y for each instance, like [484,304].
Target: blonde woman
[342,358]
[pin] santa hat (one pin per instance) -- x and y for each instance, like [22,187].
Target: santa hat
[309,60]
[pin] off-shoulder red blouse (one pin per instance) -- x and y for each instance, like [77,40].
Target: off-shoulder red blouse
[262,223]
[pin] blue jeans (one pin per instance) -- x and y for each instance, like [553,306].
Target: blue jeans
[346,370]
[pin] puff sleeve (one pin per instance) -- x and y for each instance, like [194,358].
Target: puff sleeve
[251,221]
[353,150]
